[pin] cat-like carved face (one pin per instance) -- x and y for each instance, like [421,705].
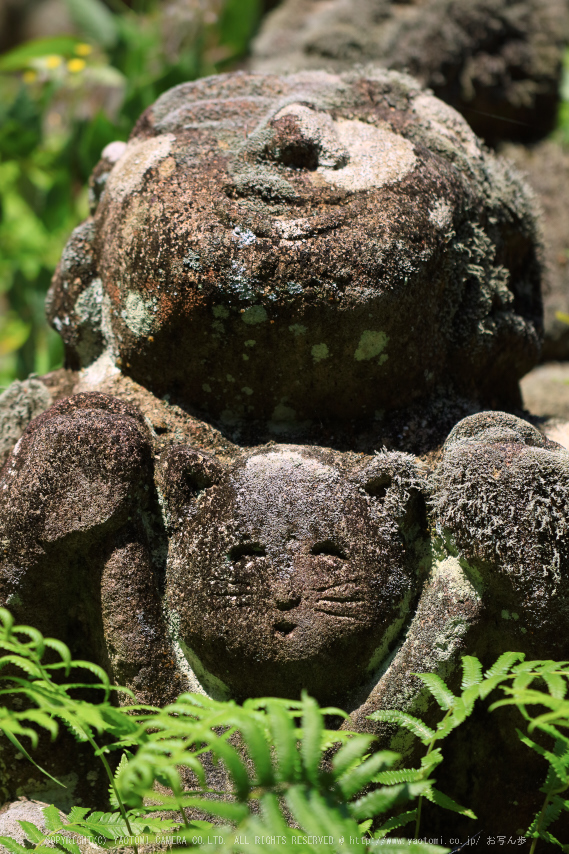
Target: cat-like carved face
[286,573]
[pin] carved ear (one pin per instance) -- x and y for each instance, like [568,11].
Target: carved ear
[183,473]
[80,466]
[396,483]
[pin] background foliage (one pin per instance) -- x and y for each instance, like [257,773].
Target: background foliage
[62,99]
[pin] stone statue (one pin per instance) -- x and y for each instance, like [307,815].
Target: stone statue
[280,258]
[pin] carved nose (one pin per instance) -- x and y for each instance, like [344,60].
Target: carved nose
[287,601]
[306,139]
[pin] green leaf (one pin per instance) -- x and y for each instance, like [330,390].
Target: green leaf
[52,818]
[19,58]
[94,20]
[471,672]
[258,749]
[352,752]
[393,823]
[444,697]
[312,728]
[77,814]
[363,774]
[414,725]
[400,775]
[33,833]
[13,846]
[447,803]
[503,664]
[381,800]
[282,729]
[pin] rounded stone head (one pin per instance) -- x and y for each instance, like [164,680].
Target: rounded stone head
[286,572]
[322,246]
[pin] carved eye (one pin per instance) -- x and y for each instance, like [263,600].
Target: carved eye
[327,547]
[246,550]
[378,486]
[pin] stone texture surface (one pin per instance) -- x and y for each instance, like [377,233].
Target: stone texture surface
[351,226]
[237,571]
[496,61]
[546,168]
[21,402]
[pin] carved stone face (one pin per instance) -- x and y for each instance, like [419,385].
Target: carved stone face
[286,574]
[352,227]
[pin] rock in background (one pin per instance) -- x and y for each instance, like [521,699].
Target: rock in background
[546,167]
[496,61]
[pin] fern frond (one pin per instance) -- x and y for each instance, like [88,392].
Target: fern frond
[400,775]
[503,664]
[352,752]
[471,672]
[13,846]
[394,823]
[52,818]
[312,728]
[384,799]
[442,800]
[283,737]
[443,695]
[33,833]
[355,779]
[414,725]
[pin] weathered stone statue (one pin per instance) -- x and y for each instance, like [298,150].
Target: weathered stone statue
[294,257]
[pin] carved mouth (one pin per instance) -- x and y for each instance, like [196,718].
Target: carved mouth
[284,628]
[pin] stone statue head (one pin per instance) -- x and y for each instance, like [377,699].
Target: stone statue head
[349,228]
[292,568]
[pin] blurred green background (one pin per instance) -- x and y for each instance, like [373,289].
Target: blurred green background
[74,76]
[63,97]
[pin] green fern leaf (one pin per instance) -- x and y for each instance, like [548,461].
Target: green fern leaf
[69,845]
[13,846]
[33,833]
[444,697]
[62,650]
[504,664]
[552,812]
[414,725]
[400,775]
[442,800]
[255,737]
[363,774]
[313,813]
[430,761]
[556,684]
[364,826]
[52,818]
[352,752]
[284,740]
[312,727]
[77,814]
[471,672]
[382,800]
[394,823]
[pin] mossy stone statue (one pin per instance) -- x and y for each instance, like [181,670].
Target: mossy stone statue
[275,252]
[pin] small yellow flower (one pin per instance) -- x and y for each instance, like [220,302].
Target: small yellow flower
[76,65]
[30,76]
[53,61]
[83,49]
